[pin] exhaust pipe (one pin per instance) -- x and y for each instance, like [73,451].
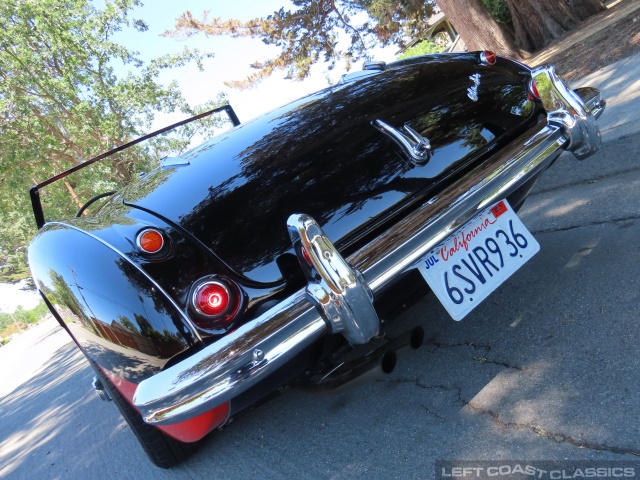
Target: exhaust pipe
[383,359]
[390,357]
[416,339]
[388,361]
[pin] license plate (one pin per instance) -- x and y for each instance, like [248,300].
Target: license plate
[464,269]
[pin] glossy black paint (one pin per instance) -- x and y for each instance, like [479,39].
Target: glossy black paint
[117,315]
[175,268]
[321,155]
[224,211]
[34,192]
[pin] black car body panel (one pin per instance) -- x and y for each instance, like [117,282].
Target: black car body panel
[322,155]
[311,209]
[120,318]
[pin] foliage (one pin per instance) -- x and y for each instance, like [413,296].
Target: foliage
[425,47]
[397,21]
[500,12]
[61,103]
[311,32]
[11,323]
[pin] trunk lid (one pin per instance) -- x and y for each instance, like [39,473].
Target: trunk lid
[321,155]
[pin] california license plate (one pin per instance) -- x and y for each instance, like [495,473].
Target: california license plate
[476,259]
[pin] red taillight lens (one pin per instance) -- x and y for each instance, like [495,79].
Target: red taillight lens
[212,299]
[488,58]
[215,302]
[306,256]
[533,91]
[150,240]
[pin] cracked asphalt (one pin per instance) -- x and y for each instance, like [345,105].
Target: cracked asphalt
[547,368]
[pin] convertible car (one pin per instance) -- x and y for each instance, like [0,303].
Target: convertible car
[278,253]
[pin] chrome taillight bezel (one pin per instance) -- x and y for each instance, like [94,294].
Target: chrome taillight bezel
[147,230]
[222,321]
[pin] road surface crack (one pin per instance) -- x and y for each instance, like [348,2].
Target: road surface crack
[556,437]
[419,384]
[498,362]
[475,346]
[534,427]
[464,343]
[432,413]
[590,224]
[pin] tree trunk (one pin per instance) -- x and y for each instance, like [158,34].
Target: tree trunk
[538,22]
[477,27]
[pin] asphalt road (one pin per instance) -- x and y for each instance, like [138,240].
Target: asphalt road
[547,367]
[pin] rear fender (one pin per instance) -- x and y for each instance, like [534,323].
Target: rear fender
[118,316]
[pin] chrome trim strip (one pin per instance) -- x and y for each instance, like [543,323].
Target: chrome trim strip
[239,360]
[167,162]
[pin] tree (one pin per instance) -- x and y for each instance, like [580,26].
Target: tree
[310,32]
[500,12]
[62,103]
[425,47]
[477,27]
[396,21]
[538,22]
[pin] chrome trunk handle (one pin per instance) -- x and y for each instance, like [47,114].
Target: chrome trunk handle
[414,145]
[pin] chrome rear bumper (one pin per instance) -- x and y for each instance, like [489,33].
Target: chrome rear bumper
[340,290]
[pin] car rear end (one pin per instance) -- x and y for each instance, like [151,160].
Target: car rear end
[207,278]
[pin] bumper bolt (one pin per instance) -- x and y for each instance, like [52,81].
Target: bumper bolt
[258,355]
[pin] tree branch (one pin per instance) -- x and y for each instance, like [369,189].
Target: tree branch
[347,25]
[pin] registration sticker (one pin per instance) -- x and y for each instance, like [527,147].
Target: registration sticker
[464,269]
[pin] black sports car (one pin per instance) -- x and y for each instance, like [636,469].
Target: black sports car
[276,253]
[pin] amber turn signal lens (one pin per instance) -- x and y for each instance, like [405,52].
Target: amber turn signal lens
[150,241]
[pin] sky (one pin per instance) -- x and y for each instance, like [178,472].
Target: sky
[12,295]
[232,56]
[231,62]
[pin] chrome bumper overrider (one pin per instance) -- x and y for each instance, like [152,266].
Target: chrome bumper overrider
[338,298]
[566,109]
